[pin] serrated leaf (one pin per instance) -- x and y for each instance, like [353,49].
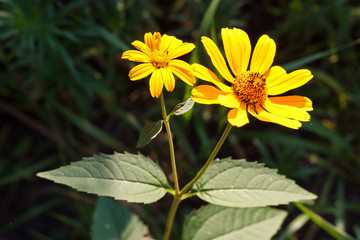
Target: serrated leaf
[237,183]
[149,132]
[130,177]
[183,107]
[223,223]
[113,222]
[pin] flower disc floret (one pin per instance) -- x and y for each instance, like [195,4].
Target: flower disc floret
[250,88]
[159,59]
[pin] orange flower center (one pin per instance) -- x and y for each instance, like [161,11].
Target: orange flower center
[159,59]
[250,87]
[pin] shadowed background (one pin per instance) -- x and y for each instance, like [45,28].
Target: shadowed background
[65,94]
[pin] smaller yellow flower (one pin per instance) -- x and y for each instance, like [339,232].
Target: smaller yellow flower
[158,55]
[251,89]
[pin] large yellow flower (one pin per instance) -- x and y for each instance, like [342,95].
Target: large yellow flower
[158,55]
[251,89]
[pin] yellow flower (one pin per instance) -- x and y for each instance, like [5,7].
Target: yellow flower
[158,55]
[250,89]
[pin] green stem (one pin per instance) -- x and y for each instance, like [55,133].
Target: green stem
[179,195]
[171,144]
[209,161]
[171,217]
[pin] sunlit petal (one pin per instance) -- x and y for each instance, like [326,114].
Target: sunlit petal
[274,74]
[182,70]
[136,56]
[295,101]
[229,100]
[237,49]
[141,71]
[265,116]
[165,42]
[168,78]
[174,44]
[156,83]
[207,75]
[216,58]
[238,116]
[287,111]
[149,41]
[141,46]
[263,55]
[206,94]
[181,50]
[289,81]
[157,41]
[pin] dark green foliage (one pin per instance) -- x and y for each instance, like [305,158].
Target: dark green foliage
[65,94]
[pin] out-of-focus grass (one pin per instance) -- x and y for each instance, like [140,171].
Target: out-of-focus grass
[65,94]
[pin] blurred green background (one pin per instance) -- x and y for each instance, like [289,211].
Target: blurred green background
[65,94]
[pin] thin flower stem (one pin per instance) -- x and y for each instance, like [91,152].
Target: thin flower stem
[171,216]
[209,161]
[171,144]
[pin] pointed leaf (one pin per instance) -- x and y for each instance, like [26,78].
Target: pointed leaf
[130,177]
[237,183]
[222,223]
[149,132]
[113,222]
[183,107]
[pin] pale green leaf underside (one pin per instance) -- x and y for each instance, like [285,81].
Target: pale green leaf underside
[149,132]
[113,222]
[236,183]
[130,177]
[183,107]
[225,223]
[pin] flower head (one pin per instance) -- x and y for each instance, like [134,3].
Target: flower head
[251,89]
[158,55]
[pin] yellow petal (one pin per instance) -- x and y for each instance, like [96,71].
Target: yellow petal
[165,42]
[207,75]
[273,75]
[238,116]
[140,71]
[289,81]
[269,117]
[174,44]
[263,55]
[206,94]
[229,100]
[168,78]
[182,70]
[149,41]
[136,56]
[157,41]
[156,83]
[141,46]
[295,101]
[181,50]
[286,111]
[237,49]
[216,58]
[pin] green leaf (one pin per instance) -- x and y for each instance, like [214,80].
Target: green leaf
[221,223]
[113,222]
[130,177]
[149,132]
[183,107]
[237,183]
[332,230]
